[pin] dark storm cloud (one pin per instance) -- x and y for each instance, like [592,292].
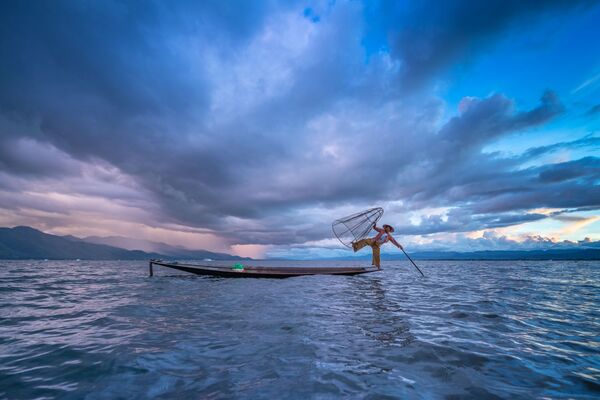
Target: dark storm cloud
[586,168]
[488,190]
[457,168]
[114,81]
[495,185]
[486,119]
[241,116]
[427,36]
[32,159]
[564,185]
[497,201]
[99,74]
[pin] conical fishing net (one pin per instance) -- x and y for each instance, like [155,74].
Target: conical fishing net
[356,226]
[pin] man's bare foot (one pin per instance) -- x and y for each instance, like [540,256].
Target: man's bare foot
[354,246]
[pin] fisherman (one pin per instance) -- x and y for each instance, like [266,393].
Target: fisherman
[383,236]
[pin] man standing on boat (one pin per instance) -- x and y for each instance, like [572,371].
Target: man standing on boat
[383,236]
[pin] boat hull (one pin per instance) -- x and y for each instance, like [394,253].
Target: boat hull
[258,272]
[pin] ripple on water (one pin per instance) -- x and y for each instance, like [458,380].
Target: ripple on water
[103,330]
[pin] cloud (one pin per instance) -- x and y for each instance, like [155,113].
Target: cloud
[588,167]
[457,170]
[590,142]
[462,220]
[488,240]
[259,124]
[28,157]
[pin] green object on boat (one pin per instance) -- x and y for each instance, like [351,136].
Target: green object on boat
[237,267]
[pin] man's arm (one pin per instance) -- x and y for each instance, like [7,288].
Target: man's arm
[398,245]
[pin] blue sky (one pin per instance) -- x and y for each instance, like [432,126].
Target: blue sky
[247,127]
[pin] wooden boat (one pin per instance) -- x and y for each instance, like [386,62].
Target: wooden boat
[238,271]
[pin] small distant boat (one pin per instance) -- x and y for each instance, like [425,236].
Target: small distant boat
[241,271]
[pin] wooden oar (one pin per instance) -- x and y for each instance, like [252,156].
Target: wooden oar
[413,263]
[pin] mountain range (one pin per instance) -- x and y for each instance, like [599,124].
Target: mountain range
[23,242]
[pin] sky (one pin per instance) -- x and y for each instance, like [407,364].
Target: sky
[249,126]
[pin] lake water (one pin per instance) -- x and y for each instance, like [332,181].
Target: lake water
[104,330]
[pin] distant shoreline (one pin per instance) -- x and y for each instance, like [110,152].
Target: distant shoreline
[26,243]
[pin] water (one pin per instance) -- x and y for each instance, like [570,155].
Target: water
[104,330]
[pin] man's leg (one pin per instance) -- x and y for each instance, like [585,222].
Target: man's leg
[356,246]
[376,256]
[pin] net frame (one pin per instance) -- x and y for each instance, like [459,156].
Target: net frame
[358,225]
